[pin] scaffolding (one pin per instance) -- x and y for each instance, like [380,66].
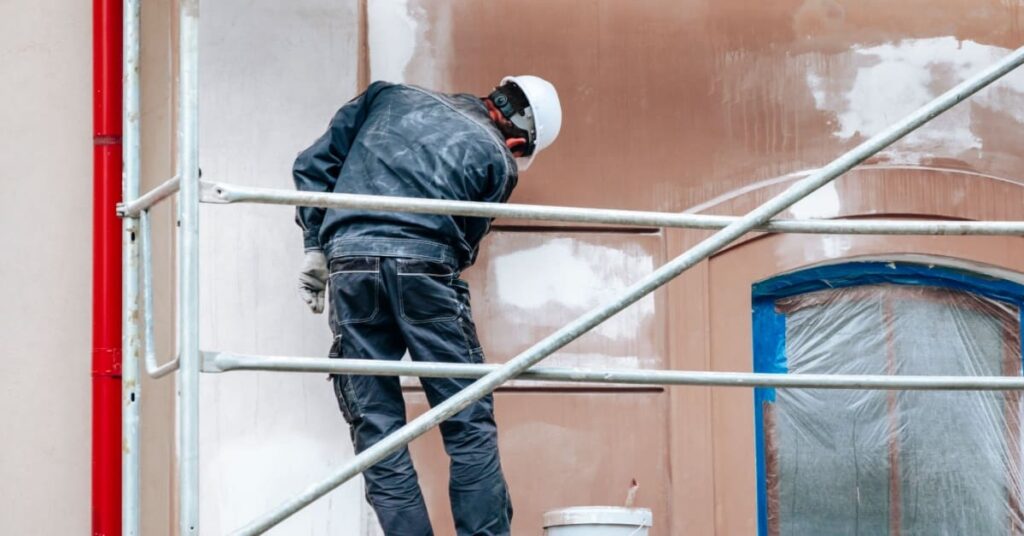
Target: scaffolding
[191,361]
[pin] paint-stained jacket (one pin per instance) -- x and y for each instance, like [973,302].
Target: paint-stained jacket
[402,140]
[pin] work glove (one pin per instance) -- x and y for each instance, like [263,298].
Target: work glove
[313,280]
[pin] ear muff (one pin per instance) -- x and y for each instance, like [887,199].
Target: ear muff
[510,100]
[502,103]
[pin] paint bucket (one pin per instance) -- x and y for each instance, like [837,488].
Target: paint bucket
[597,521]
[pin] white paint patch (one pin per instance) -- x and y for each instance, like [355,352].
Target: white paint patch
[836,247]
[399,33]
[391,38]
[893,79]
[290,461]
[577,276]
[823,203]
[266,436]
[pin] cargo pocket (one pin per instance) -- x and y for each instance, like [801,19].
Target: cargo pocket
[346,401]
[425,292]
[354,289]
[343,387]
[466,324]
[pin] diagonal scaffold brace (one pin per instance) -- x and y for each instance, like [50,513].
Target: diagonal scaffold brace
[659,277]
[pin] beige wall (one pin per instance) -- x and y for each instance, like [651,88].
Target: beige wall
[46,239]
[45,217]
[157,397]
[46,150]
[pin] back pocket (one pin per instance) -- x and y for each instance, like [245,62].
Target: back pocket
[425,292]
[354,287]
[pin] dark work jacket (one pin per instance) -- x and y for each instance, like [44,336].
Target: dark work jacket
[401,140]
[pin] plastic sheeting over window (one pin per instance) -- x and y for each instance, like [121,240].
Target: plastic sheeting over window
[881,462]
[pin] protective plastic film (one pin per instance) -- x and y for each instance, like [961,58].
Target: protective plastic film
[900,462]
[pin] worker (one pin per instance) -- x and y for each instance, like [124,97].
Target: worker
[394,277]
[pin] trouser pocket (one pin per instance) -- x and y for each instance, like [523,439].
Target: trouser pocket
[343,388]
[425,292]
[466,324]
[346,401]
[355,289]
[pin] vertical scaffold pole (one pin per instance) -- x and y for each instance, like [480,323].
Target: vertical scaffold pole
[131,345]
[188,214]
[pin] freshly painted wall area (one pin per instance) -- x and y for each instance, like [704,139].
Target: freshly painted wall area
[270,85]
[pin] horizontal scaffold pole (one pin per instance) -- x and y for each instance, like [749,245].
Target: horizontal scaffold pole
[218,192]
[225,362]
[132,209]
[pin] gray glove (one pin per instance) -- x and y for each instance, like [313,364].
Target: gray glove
[313,280]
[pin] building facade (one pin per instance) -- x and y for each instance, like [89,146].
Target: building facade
[694,105]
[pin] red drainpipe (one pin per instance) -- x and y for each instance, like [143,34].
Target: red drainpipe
[106,296]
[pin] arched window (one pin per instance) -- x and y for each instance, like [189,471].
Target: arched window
[879,462]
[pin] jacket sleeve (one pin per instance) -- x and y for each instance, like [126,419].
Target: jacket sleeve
[317,168]
[499,180]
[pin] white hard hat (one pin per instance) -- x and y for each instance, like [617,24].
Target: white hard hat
[545,109]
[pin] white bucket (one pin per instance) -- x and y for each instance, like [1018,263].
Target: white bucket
[597,521]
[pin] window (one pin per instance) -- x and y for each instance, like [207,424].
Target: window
[879,462]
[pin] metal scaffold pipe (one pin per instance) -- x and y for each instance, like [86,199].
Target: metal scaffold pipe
[659,277]
[131,395]
[224,362]
[145,201]
[153,367]
[217,192]
[188,288]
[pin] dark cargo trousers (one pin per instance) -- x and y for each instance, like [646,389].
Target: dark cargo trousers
[380,307]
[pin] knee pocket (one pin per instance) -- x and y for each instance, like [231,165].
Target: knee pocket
[346,398]
[343,390]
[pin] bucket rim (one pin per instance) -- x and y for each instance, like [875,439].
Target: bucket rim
[590,515]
